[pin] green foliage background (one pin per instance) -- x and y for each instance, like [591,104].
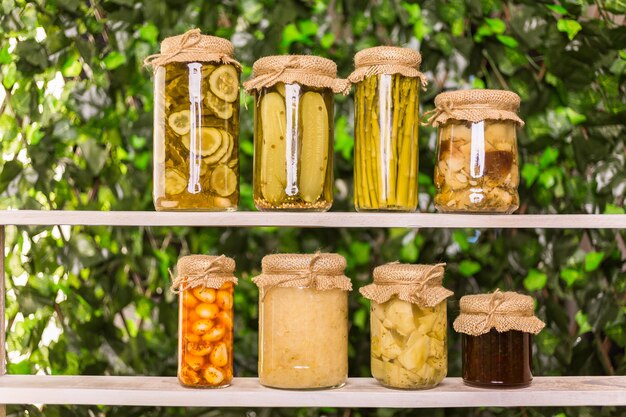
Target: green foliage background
[75,129]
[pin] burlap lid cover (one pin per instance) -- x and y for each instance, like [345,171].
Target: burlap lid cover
[502,311]
[309,70]
[416,284]
[475,106]
[387,60]
[192,46]
[321,271]
[203,270]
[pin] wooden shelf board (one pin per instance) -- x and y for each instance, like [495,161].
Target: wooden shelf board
[330,219]
[357,393]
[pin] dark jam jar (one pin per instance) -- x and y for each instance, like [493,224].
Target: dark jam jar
[497,359]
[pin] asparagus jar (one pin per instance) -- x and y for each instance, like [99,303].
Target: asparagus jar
[408,324]
[196,124]
[477,163]
[205,286]
[386,124]
[293,132]
[497,334]
[303,321]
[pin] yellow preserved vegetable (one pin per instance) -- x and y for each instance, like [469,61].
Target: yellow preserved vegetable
[196,125]
[408,324]
[409,344]
[293,131]
[303,321]
[386,122]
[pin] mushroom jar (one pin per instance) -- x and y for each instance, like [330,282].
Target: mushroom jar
[477,160]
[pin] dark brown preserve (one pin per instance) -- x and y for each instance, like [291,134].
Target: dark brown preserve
[498,359]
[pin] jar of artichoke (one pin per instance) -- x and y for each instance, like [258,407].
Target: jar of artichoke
[196,123]
[205,286]
[303,321]
[386,122]
[477,161]
[496,342]
[408,319]
[293,132]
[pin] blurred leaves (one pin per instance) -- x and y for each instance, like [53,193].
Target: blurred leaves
[75,127]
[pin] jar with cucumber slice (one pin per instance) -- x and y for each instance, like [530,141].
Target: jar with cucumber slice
[386,124]
[408,325]
[293,132]
[196,124]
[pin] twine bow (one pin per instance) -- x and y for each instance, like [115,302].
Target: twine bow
[212,269]
[309,273]
[497,298]
[449,108]
[188,40]
[415,292]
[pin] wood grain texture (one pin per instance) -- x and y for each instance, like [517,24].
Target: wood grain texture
[358,392]
[331,219]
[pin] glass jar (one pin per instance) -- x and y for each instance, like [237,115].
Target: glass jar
[408,325]
[293,132]
[303,330]
[477,166]
[497,359]
[409,344]
[386,123]
[205,335]
[497,331]
[196,129]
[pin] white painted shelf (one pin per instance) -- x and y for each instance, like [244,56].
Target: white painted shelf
[330,219]
[357,393]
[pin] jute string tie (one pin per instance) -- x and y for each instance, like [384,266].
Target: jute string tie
[449,109]
[195,47]
[416,284]
[309,274]
[213,269]
[497,298]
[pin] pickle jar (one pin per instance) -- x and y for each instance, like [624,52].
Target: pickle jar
[477,166]
[497,332]
[196,124]
[205,285]
[408,324]
[293,132]
[386,122]
[303,321]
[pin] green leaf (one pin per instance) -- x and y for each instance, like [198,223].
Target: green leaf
[149,33]
[72,66]
[10,170]
[613,209]
[359,318]
[583,323]
[95,155]
[593,260]
[557,8]
[535,280]
[469,268]
[327,40]
[569,26]
[496,25]
[409,252]
[360,252]
[530,173]
[5,56]
[570,276]
[509,41]
[549,156]
[114,60]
